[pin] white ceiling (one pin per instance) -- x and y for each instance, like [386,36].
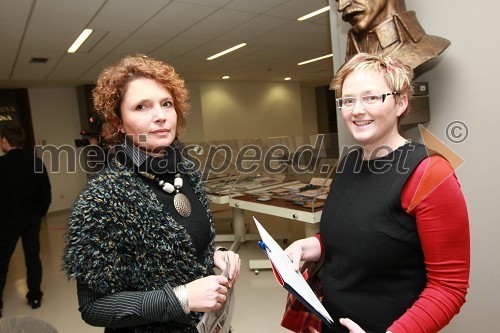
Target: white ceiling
[181,32]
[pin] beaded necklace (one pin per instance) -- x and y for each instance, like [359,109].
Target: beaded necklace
[181,202]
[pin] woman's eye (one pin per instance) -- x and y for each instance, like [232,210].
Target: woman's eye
[372,98]
[168,104]
[140,107]
[348,101]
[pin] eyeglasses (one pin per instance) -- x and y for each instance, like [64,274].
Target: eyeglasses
[367,101]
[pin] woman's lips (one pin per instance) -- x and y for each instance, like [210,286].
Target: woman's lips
[161,133]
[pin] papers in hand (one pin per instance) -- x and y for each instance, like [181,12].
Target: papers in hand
[219,321]
[290,279]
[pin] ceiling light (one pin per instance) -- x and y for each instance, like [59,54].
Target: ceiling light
[80,40]
[315,59]
[225,77]
[287,78]
[317,12]
[227,51]
[38,60]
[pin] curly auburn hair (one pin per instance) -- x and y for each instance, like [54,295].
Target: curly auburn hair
[112,85]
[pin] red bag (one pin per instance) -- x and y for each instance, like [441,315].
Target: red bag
[297,317]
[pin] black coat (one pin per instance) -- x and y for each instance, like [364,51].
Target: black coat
[25,190]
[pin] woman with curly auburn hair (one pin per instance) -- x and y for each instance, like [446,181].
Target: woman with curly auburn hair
[113,81]
[140,239]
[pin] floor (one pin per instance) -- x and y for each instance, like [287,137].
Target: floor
[259,299]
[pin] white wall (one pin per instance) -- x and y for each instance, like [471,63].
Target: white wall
[54,114]
[463,87]
[195,130]
[233,110]
[309,109]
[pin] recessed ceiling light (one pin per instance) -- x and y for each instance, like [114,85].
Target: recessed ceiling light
[225,77]
[36,60]
[317,12]
[227,51]
[315,59]
[80,40]
[288,78]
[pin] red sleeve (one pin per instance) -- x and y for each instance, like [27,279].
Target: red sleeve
[322,247]
[433,196]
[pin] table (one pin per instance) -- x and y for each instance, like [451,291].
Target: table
[239,228]
[239,231]
[275,207]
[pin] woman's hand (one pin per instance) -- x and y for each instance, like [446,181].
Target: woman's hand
[352,326]
[208,293]
[295,253]
[234,264]
[308,249]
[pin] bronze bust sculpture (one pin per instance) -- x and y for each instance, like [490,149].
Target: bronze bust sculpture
[385,26]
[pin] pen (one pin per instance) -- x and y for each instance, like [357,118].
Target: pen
[263,246]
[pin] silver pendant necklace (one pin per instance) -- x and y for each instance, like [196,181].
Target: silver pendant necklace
[181,202]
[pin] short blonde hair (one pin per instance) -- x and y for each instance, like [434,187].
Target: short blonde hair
[112,84]
[398,75]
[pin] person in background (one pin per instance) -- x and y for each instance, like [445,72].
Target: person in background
[25,198]
[394,229]
[106,131]
[97,153]
[140,239]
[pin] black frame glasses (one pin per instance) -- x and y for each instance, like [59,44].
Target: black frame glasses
[366,101]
